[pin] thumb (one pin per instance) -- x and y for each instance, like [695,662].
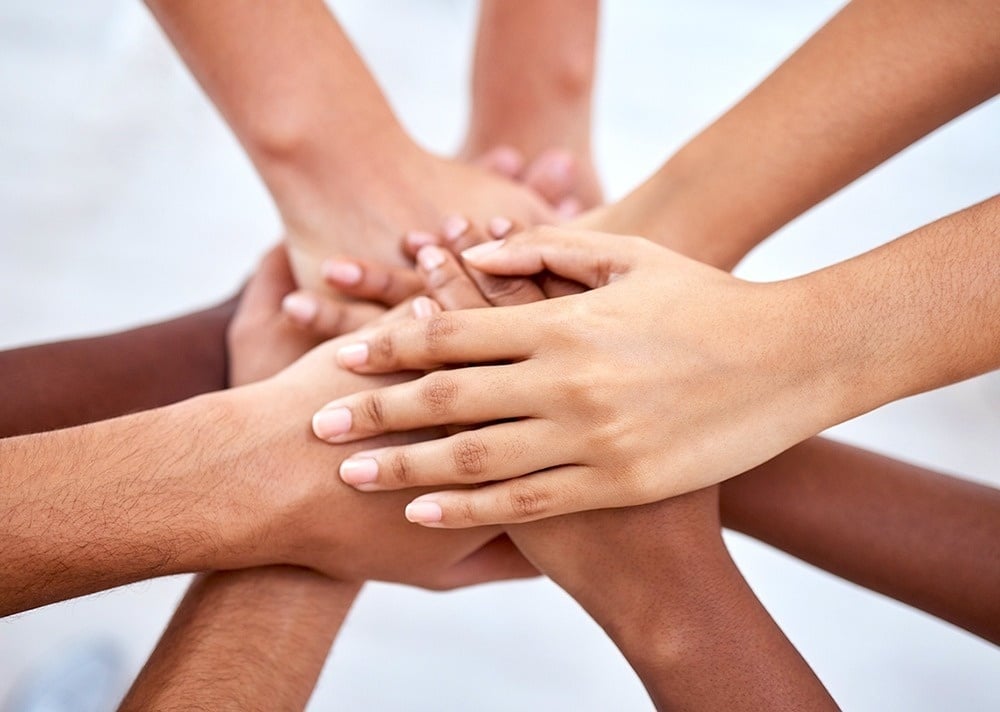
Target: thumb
[591,258]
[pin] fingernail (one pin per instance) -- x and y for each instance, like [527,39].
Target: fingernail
[569,208]
[454,226]
[423,512]
[417,239]
[479,251]
[329,423]
[430,257]
[353,355]
[342,272]
[359,471]
[561,164]
[500,226]
[300,307]
[423,307]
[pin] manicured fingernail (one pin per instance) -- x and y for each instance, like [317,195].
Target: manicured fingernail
[353,355]
[300,307]
[329,423]
[454,226]
[359,470]
[479,251]
[342,272]
[423,307]
[423,512]
[430,257]
[500,226]
[417,239]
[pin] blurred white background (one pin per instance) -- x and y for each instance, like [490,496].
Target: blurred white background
[123,200]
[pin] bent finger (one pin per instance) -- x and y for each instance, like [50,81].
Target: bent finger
[373,281]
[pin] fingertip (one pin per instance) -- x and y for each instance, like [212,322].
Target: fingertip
[499,226]
[569,208]
[342,272]
[454,226]
[353,355]
[415,239]
[301,308]
[479,253]
[425,307]
[430,257]
[426,512]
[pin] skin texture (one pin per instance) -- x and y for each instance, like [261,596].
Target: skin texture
[902,530]
[340,168]
[649,350]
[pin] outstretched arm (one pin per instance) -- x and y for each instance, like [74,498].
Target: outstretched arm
[251,639]
[877,77]
[69,383]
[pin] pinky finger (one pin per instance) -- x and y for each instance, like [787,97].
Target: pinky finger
[326,317]
[549,493]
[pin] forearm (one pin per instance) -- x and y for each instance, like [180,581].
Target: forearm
[533,76]
[70,383]
[916,314]
[93,507]
[879,76]
[663,587]
[918,536]
[250,639]
[287,80]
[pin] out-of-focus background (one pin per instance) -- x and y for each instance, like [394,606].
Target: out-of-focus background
[123,200]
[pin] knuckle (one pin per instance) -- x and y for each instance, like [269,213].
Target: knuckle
[439,393]
[438,329]
[373,411]
[470,456]
[383,349]
[401,468]
[528,501]
[500,290]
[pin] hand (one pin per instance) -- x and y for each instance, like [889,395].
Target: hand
[262,341]
[669,376]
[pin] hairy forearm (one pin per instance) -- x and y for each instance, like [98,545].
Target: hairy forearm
[533,75]
[659,580]
[252,639]
[88,508]
[69,383]
[918,536]
[916,314]
[879,76]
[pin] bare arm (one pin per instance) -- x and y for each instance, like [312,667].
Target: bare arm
[70,383]
[879,76]
[253,639]
[923,538]
[532,81]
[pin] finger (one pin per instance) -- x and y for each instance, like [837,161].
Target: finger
[495,452]
[272,280]
[463,396]
[555,286]
[448,338]
[553,175]
[500,291]
[569,208]
[578,255]
[370,280]
[506,161]
[326,317]
[497,560]
[415,239]
[550,493]
[446,280]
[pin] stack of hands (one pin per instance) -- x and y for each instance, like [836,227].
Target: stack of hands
[457,371]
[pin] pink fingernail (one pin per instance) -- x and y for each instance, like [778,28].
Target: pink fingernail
[423,307]
[359,471]
[353,355]
[500,226]
[417,239]
[424,512]
[342,272]
[300,307]
[454,226]
[479,251]
[329,423]
[569,208]
[430,257]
